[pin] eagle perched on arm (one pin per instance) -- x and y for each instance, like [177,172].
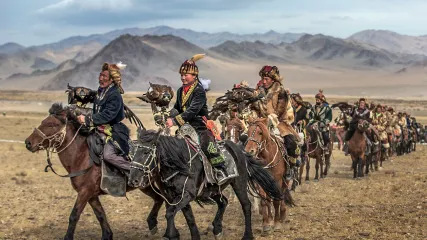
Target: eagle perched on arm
[81,96]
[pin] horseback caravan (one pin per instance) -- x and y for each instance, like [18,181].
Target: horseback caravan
[93,146]
[196,165]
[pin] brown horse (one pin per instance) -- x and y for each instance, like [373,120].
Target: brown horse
[61,132]
[266,146]
[357,148]
[314,150]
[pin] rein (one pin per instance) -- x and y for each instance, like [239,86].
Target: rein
[271,164]
[55,141]
[148,171]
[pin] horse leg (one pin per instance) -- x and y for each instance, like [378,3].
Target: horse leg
[316,177]
[277,215]
[368,163]
[171,232]
[322,162]
[81,201]
[354,166]
[102,218]
[266,228]
[191,222]
[240,189]
[360,167]
[307,170]
[327,163]
[152,217]
[222,203]
[301,170]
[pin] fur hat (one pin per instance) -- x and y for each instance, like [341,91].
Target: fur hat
[271,72]
[297,98]
[189,66]
[320,95]
[114,71]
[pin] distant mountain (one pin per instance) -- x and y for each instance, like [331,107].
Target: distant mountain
[35,79]
[202,39]
[10,48]
[317,50]
[42,64]
[251,51]
[392,41]
[148,58]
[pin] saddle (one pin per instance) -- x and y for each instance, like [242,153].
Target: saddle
[188,133]
[113,181]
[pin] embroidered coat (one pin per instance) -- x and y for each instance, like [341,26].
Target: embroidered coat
[322,113]
[192,107]
[379,120]
[107,114]
[276,105]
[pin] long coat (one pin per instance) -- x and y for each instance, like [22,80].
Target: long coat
[276,106]
[107,114]
[192,107]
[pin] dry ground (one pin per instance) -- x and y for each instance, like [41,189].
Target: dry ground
[389,204]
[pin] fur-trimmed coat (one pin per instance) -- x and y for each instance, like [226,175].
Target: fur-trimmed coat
[276,106]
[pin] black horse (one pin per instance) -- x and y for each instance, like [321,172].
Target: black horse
[175,167]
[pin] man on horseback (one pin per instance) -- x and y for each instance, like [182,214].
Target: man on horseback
[322,114]
[191,106]
[108,112]
[379,121]
[359,113]
[274,102]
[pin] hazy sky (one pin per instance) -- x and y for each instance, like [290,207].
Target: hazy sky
[34,22]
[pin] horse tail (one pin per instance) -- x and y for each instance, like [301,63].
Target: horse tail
[259,175]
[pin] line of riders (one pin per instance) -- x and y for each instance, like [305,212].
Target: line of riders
[287,116]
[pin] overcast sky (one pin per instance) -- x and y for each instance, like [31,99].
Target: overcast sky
[34,22]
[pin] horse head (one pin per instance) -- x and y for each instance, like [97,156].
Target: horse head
[53,129]
[258,134]
[144,160]
[362,125]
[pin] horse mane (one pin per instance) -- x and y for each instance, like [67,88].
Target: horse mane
[171,151]
[62,113]
[260,123]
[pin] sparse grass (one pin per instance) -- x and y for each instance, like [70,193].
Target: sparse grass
[388,205]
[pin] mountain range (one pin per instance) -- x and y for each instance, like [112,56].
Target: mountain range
[155,54]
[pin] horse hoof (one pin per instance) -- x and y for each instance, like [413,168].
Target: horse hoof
[219,236]
[266,229]
[154,230]
[209,229]
[278,227]
[316,180]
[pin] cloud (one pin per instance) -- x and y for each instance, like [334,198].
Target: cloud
[119,12]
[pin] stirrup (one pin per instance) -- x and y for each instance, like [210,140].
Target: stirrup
[221,176]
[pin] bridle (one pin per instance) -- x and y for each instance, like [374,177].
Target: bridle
[261,145]
[55,142]
[148,170]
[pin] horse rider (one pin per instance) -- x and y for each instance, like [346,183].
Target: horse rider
[191,106]
[361,112]
[301,120]
[322,115]
[379,120]
[272,101]
[107,114]
[300,113]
